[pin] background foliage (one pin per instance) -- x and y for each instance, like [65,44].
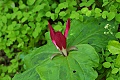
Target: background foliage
[23,25]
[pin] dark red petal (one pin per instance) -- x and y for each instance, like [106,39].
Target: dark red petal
[60,40]
[52,32]
[67,28]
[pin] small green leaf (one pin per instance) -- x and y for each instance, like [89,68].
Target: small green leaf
[24,19]
[81,17]
[84,10]
[22,6]
[98,10]
[62,13]
[110,78]
[113,9]
[48,14]
[63,5]
[4,19]
[117,17]
[30,2]
[105,3]
[88,13]
[57,10]
[104,14]
[117,35]
[37,30]
[118,1]
[53,16]
[19,15]
[115,70]
[74,14]
[114,47]
[117,61]
[54,5]
[107,64]
[110,16]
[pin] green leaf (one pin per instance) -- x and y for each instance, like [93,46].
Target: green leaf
[104,14]
[86,32]
[117,35]
[114,47]
[57,10]
[27,75]
[110,78]
[113,9]
[37,30]
[62,13]
[88,13]
[117,17]
[48,14]
[30,2]
[117,61]
[74,14]
[24,19]
[84,10]
[4,19]
[106,64]
[115,70]
[63,5]
[22,6]
[110,16]
[105,3]
[74,66]
[118,1]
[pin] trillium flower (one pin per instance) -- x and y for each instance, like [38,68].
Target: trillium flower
[59,39]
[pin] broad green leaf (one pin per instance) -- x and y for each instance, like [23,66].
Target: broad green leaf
[74,66]
[86,32]
[114,47]
[30,74]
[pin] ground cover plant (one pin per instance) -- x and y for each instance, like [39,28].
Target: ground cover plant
[93,40]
